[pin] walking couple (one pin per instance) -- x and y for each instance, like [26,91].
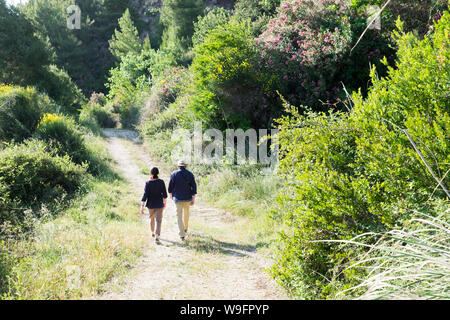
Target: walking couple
[182,190]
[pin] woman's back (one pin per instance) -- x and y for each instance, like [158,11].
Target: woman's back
[155,192]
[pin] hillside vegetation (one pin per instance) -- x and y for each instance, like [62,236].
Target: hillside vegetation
[363,119]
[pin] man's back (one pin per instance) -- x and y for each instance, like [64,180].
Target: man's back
[182,185]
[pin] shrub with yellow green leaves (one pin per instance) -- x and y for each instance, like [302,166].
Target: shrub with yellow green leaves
[20,111]
[348,174]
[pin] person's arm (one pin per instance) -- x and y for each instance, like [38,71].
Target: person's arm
[144,199]
[171,183]
[164,193]
[194,190]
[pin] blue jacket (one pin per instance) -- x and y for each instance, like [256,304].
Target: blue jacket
[182,185]
[154,193]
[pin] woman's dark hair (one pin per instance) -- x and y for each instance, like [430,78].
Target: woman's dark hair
[154,172]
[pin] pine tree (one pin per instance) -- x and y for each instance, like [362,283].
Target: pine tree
[126,40]
[178,18]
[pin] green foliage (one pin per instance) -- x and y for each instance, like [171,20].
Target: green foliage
[58,85]
[97,111]
[258,12]
[64,135]
[31,174]
[23,55]
[178,17]
[165,121]
[165,91]
[82,53]
[224,78]
[21,110]
[414,97]
[356,173]
[417,15]
[208,22]
[126,40]
[127,82]
[25,59]
[408,264]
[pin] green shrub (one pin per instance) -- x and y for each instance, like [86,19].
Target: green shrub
[58,85]
[414,97]
[126,83]
[21,110]
[66,137]
[210,21]
[62,134]
[32,174]
[163,121]
[351,174]
[258,12]
[99,114]
[224,79]
[5,266]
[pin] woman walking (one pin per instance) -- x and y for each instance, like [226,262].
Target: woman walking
[155,199]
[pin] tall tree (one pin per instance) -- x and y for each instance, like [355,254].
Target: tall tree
[126,40]
[49,19]
[23,56]
[178,18]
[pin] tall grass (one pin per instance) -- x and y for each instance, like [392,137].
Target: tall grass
[412,263]
[74,246]
[72,256]
[249,192]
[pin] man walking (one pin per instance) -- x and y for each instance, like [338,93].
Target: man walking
[182,189]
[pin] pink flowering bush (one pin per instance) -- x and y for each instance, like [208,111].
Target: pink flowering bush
[171,83]
[305,45]
[165,90]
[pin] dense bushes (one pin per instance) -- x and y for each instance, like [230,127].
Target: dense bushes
[25,60]
[58,85]
[349,174]
[97,110]
[31,174]
[307,47]
[210,21]
[62,134]
[66,137]
[21,110]
[224,78]
[24,55]
[159,112]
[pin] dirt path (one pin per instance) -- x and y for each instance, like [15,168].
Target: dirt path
[213,263]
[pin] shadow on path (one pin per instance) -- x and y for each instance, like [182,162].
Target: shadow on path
[208,244]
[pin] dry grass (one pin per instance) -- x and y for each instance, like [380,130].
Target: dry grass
[70,257]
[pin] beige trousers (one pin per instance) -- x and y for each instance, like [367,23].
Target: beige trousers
[183,224]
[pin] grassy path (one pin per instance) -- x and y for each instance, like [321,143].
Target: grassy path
[215,262]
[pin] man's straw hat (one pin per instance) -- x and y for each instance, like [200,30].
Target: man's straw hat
[182,163]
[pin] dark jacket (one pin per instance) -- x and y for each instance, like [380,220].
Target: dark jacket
[154,193]
[182,185]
